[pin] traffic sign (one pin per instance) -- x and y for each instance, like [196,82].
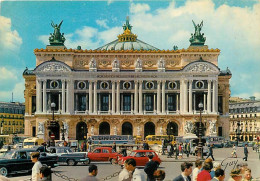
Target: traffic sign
[52,136]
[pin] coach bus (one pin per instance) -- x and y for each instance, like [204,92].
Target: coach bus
[157,139]
[110,139]
[217,141]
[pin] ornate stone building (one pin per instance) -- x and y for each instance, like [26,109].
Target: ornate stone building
[11,118]
[244,119]
[126,87]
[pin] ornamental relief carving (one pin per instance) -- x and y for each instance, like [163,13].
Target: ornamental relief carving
[81,63]
[127,63]
[149,63]
[53,67]
[200,67]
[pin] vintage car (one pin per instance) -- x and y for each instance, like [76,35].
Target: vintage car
[103,154]
[141,157]
[19,161]
[66,155]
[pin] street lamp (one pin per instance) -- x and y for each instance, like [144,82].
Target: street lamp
[53,105]
[200,146]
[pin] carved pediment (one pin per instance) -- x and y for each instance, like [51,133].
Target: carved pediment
[201,67]
[53,67]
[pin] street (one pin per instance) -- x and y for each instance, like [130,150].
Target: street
[169,165]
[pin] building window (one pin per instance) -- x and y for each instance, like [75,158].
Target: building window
[81,102]
[149,102]
[172,85]
[54,84]
[171,102]
[33,104]
[104,102]
[127,102]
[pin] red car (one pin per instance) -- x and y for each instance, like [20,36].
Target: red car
[141,157]
[103,154]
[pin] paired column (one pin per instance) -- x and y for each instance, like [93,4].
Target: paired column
[158,97]
[140,97]
[118,97]
[163,96]
[136,97]
[185,91]
[190,96]
[63,96]
[181,96]
[215,96]
[209,97]
[70,96]
[95,97]
[44,101]
[39,96]
[90,94]
[113,97]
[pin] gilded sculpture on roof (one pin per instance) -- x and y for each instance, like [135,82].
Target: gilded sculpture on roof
[197,38]
[56,37]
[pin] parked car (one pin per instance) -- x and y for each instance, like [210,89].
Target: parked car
[103,154]
[19,161]
[66,155]
[141,157]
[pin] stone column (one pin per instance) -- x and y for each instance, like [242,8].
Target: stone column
[177,102]
[181,96]
[190,96]
[63,96]
[76,102]
[214,94]
[136,97]
[90,97]
[39,96]
[154,103]
[163,97]
[118,97]
[204,102]
[95,97]
[140,97]
[44,99]
[209,97]
[87,108]
[185,96]
[113,97]
[109,103]
[68,96]
[132,103]
[158,97]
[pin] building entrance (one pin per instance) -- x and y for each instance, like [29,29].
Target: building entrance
[104,128]
[149,129]
[127,129]
[55,129]
[81,131]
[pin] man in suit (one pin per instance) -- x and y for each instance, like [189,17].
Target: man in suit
[210,152]
[245,152]
[186,170]
[150,168]
[219,175]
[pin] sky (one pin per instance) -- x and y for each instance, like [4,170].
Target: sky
[233,26]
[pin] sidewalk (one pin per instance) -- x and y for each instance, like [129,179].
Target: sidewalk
[191,158]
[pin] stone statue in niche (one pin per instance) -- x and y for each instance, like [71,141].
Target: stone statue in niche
[66,127]
[212,127]
[40,128]
[138,131]
[115,65]
[92,65]
[92,130]
[138,65]
[161,65]
[188,127]
[115,131]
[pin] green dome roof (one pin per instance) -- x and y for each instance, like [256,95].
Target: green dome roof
[127,41]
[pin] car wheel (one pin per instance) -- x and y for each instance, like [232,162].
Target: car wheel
[86,162]
[4,171]
[113,161]
[71,162]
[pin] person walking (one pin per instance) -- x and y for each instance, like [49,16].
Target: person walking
[188,149]
[114,147]
[219,175]
[150,168]
[93,171]
[36,167]
[130,172]
[186,170]
[245,152]
[234,151]
[210,152]
[195,172]
[169,150]
[145,145]
[204,175]
[45,173]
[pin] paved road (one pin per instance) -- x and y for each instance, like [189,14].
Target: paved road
[170,166]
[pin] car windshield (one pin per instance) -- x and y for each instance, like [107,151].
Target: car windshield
[28,143]
[8,155]
[132,153]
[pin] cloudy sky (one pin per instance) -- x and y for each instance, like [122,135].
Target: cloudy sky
[233,26]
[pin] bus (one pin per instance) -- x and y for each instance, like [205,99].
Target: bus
[157,139]
[110,139]
[217,141]
[138,139]
[32,142]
